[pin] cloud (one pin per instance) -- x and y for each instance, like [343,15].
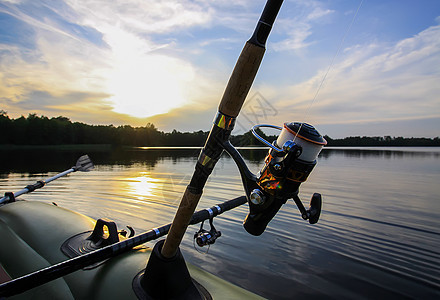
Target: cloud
[13,1]
[59,63]
[300,28]
[374,83]
[298,34]
[79,45]
[318,12]
[37,100]
[142,17]
[103,51]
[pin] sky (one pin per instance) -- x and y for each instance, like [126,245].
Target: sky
[349,67]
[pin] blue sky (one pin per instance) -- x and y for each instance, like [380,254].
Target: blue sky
[167,62]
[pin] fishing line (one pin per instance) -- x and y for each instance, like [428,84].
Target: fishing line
[330,67]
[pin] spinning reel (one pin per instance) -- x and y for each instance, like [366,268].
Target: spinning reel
[288,163]
[204,237]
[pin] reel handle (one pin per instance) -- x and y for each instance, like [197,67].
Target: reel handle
[314,212]
[315,208]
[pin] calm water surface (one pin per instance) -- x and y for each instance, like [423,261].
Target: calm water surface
[378,236]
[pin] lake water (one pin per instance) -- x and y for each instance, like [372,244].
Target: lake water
[378,236]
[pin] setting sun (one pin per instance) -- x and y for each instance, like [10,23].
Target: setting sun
[143,83]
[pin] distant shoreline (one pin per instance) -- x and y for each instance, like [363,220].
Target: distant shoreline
[61,133]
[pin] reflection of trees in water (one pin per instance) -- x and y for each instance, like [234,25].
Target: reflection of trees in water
[39,160]
[377,153]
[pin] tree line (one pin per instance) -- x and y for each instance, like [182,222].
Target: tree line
[379,141]
[41,130]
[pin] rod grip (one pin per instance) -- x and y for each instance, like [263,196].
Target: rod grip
[181,220]
[241,79]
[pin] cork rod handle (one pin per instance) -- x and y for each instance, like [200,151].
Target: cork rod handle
[241,79]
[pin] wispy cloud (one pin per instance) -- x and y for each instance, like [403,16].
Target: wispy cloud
[318,12]
[300,27]
[103,49]
[373,83]
[144,17]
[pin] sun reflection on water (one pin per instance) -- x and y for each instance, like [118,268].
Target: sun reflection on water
[142,187]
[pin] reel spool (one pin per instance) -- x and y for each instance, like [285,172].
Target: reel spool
[288,163]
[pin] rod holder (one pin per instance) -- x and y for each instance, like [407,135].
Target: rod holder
[167,278]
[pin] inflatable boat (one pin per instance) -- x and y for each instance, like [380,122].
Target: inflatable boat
[36,235]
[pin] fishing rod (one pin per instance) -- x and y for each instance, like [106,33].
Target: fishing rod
[289,162]
[233,98]
[29,281]
[83,164]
